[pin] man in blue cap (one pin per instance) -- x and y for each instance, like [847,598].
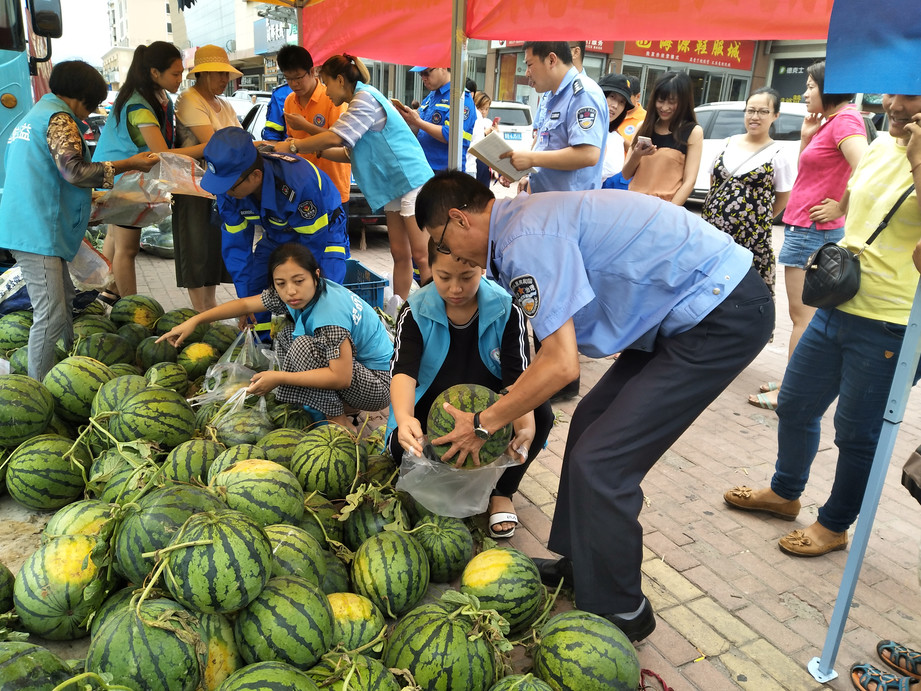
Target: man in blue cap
[290,198]
[431,122]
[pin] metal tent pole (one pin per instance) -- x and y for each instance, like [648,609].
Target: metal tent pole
[458,80]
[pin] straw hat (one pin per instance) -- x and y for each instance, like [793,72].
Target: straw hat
[213,59]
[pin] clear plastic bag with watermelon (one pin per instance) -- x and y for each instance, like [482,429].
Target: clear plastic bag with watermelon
[234,370]
[450,491]
[248,352]
[238,402]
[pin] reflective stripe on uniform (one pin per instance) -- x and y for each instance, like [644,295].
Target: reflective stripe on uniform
[274,126]
[236,228]
[321,223]
[335,249]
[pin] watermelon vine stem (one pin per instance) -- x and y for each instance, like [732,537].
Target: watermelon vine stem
[94,677]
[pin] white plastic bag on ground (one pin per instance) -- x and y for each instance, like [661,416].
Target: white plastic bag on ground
[89,270]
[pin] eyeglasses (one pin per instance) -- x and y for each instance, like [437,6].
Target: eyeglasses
[761,112]
[425,73]
[440,246]
[292,80]
[243,178]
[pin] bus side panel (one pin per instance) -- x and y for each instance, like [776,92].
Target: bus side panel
[15,97]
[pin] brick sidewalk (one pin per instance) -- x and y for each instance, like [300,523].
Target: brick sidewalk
[733,611]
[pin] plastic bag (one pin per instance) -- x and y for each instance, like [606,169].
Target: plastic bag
[248,352]
[234,370]
[180,174]
[137,199]
[450,491]
[89,270]
[237,403]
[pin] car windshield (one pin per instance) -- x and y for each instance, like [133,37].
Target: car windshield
[511,116]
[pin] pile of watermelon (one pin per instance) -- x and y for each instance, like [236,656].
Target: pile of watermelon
[199,550]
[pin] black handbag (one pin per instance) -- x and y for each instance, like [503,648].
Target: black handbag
[833,271]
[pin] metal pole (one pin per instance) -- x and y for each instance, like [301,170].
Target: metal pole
[821,668]
[458,79]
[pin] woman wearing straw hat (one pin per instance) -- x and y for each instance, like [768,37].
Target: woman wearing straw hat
[200,112]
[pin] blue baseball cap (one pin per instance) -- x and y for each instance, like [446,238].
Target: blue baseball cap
[228,154]
[419,68]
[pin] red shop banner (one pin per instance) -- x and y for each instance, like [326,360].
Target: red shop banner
[735,55]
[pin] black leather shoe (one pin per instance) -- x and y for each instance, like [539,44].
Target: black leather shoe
[552,570]
[639,627]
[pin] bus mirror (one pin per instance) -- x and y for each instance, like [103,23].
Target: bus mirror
[46,18]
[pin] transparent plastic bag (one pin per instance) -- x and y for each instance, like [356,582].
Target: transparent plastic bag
[89,270]
[180,174]
[248,352]
[237,403]
[450,491]
[137,199]
[235,368]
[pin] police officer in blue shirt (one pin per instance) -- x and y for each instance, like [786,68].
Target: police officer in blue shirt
[290,198]
[599,272]
[432,120]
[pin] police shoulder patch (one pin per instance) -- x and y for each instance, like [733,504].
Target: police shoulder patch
[287,192]
[466,112]
[526,293]
[576,86]
[308,210]
[586,117]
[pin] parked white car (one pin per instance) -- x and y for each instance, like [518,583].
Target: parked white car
[514,123]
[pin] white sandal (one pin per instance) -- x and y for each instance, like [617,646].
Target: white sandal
[502,517]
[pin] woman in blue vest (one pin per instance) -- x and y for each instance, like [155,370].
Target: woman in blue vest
[387,161]
[462,329]
[335,352]
[142,119]
[46,201]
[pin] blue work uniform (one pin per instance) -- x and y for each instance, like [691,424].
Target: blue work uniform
[576,113]
[436,108]
[299,203]
[275,127]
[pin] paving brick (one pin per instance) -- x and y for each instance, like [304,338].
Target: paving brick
[697,631]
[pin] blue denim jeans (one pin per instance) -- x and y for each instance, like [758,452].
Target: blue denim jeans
[839,356]
[52,294]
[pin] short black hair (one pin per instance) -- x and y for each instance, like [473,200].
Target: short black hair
[79,80]
[773,94]
[817,72]
[470,85]
[300,255]
[542,49]
[294,58]
[449,189]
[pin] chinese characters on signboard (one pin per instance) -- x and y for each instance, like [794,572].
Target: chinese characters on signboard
[789,78]
[736,55]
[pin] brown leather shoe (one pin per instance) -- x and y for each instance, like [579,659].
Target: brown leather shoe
[742,498]
[799,544]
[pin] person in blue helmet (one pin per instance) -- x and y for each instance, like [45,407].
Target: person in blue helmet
[289,197]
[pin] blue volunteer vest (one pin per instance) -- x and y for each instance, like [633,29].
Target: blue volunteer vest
[115,142]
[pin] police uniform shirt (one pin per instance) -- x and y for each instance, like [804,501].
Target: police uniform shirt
[436,108]
[576,113]
[624,266]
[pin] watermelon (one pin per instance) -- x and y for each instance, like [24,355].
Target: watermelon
[469,398]
[26,408]
[583,651]
[6,589]
[269,676]
[169,375]
[53,594]
[370,517]
[520,682]
[108,348]
[506,580]
[159,415]
[191,459]
[356,621]
[115,391]
[43,475]
[265,491]
[290,621]
[134,333]
[153,651]
[88,324]
[14,331]
[196,358]
[321,519]
[296,553]
[380,469]
[73,383]
[448,545]
[327,461]
[437,644]
[28,667]
[139,309]
[149,352]
[19,361]
[206,413]
[336,579]
[106,464]
[279,444]
[290,416]
[129,482]
[235,454]
[115,601]
[244,426]
[86,517]
[174,318]
[224,575]
[120,369]
[221,336]
[392,571]
[342,672]
[152,524]
[221,656]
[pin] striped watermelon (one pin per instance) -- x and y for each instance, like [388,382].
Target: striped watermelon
[26,408]
[221,336]
[174,318]
[120,369]
[356,621]
[115,391]
[159,415]
[290,416]
[468,398]
[6,589]
[244,426]
[583,651]
[392,571]
[28,667]
[380,469]
[196,358]
[221,656]
[127,484]
[321,519]
[43,475]
[134,333]
[290,621]
[336,579]
[105,465]
[95,307]
[139,309]
[447,543]
[226,574]
[265,491]
[296,553]
[328,461]
[88,324]
[14,330]
[73,383]
[52,594]
[191,459]
[269,676]
[19,361]
[152,524]
[108,348]
[436,643]
[370,517]
[86,517]
[169,375]
[149,352]
[206,413]
[116,600]
[342,672]
[506,580]
[155,651]
[279,444]
[520,682]
[235,454]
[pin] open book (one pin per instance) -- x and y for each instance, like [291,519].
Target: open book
[488,150]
